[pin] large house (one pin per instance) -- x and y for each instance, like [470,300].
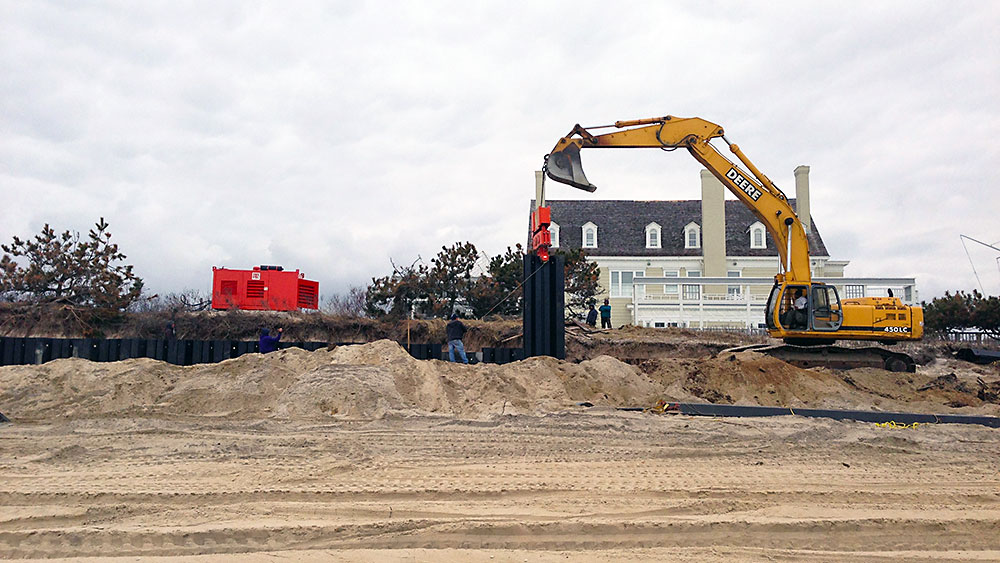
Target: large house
[640,246]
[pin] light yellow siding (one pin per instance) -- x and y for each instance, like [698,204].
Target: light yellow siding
[833,271]
[760,272]
[654,272]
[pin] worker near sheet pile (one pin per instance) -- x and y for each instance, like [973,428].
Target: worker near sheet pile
[269,343]
[592,315]
[455,331]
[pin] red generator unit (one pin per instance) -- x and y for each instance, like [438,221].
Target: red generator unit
[264,288]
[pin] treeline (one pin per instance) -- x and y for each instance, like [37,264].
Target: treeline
[963,310]
[449,283]
[85,282]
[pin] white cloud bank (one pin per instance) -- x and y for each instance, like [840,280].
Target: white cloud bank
[332,136]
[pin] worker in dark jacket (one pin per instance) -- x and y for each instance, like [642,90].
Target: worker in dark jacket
[592,315]
[605,314]
[269,343]
[455,331]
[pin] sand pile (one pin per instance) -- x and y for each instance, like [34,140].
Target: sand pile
[362,381]
[377,379]
[749,378]
[744,378]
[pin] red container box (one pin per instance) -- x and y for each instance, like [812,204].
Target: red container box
[264,288]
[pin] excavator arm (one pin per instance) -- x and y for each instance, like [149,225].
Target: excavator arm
[754,189]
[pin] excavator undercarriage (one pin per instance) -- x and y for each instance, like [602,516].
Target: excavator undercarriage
[833,357]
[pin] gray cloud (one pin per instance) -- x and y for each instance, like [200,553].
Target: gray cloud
[332,136]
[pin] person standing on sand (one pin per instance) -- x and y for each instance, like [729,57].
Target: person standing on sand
[269,343]
[605,314]
[592,315]
[455,331]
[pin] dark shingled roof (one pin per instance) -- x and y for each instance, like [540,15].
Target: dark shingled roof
[621,227]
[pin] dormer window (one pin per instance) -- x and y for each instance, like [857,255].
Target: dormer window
[590,235]
[758,236]
[554,231]
[692,235]
[652,235]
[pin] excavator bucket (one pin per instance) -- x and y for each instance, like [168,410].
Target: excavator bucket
[564,166]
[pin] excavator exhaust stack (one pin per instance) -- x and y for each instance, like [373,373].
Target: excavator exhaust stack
[564,166]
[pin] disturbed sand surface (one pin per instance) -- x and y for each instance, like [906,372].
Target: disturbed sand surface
[599,486]
[363,454]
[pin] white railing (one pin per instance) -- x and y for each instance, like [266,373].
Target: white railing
[745,308]
[725,297]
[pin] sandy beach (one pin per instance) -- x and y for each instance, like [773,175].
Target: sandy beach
[271,458]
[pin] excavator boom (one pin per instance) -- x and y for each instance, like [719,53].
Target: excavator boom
[753,188]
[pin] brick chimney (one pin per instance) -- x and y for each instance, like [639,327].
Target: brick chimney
[802,197]
[713,225]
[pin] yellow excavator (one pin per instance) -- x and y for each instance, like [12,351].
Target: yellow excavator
[807,315]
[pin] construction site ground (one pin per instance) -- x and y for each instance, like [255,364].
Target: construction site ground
[362,453]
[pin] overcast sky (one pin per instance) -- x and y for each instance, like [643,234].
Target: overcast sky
[333,136]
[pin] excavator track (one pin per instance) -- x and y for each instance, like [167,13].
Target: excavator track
[834,357]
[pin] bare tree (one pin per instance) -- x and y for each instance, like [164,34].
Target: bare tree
[349,304]
[186,301]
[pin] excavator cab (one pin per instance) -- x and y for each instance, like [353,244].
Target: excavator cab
[801,309]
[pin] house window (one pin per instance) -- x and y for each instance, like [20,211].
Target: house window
[621,282]
[692,292]
[758,236]
[554,231]
[692,236]
[734,291]
[590,235]
[652,235]
[854,291]
[670,289]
